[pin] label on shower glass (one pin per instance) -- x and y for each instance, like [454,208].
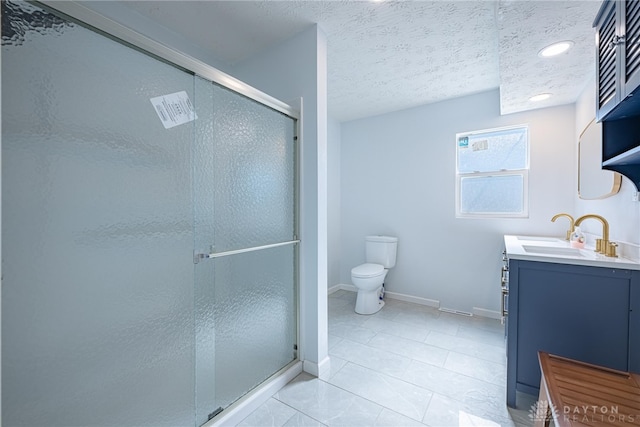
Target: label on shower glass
[174,109]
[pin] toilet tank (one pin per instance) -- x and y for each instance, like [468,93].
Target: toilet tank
[381,250]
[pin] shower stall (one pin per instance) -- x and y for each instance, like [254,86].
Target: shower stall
[149,229]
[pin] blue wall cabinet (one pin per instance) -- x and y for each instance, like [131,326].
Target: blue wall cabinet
[618,54]
[585,313]
[618,78]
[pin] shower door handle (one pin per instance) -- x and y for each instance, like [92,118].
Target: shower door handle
[199,256]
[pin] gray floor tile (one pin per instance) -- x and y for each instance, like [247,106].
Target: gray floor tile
[388,418]
[333,340]
[393,308]
[409,348]
[380,324]
[302,420]
[428,320]
[452,384]
[369,357]
[400,396]
[351,332]
[328,404]
[336,364]
[407,365]
[492,353]
[476,368]
[271,413]
[346,316]
[445,411]
[492,325]
[494,338]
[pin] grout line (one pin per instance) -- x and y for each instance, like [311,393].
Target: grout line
[380,404]
[298,411]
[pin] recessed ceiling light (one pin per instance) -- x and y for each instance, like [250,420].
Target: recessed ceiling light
[555,49]
[540,97]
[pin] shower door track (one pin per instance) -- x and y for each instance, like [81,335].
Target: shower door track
[114,30]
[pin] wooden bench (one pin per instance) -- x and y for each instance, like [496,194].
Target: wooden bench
[575,393]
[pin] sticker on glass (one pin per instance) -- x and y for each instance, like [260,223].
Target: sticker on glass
[480,145]
[463,142]
[174,109]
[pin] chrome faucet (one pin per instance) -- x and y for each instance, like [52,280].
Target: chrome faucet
[603,245]
[571,225]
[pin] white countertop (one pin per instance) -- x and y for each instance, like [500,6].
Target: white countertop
[557,250]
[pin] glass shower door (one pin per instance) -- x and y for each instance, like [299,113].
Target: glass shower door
[97,235]
[245,245]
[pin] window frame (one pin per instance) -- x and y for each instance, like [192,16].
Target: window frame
[524,172]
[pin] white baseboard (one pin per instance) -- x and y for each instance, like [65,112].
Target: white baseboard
[410,298]
[320,370]
[342,287]
[483,312]
[476,311]
[246,405]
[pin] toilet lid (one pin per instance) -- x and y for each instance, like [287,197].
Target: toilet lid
[367,270]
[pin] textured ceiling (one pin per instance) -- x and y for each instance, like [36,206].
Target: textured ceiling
[390,55]
[525,27]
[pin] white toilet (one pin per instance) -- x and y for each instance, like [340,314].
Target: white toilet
[369,277]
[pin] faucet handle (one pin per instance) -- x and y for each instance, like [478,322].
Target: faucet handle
[599,247]
[611,250]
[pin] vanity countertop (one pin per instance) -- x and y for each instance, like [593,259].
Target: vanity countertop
[557,250]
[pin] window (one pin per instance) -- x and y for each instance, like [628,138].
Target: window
[492,171]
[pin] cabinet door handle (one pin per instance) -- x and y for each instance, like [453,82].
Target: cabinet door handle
[617,40]
[505,294]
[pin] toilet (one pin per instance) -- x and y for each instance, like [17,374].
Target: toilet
[369,277]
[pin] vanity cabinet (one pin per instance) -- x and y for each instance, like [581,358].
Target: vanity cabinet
[618,79]
[586,313]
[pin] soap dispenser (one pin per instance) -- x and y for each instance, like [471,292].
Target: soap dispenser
[577,238]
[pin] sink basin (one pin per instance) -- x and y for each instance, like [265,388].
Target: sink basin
[559,251]
[552,250]
[538,239]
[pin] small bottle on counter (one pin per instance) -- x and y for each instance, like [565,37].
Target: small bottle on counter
[577,238]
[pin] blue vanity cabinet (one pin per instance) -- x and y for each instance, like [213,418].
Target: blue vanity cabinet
[634,327]
[580,312]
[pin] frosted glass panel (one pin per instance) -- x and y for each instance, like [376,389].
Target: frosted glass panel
[495,150]
[248,302]
[97,304]
[103,207]
[492,194]
[244,197]
[252,160]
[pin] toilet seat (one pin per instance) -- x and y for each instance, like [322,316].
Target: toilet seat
[367,270]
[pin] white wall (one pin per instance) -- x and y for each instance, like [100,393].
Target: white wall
[398,178]
[333,193]
[620,211]
[293,69]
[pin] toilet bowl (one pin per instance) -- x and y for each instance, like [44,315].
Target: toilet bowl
[368,278]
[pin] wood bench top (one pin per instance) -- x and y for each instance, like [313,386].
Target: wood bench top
[583,394]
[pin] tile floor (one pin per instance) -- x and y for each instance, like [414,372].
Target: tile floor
[407,365]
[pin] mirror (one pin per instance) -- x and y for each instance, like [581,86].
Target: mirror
[594,182]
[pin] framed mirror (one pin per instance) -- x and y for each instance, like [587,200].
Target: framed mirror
[593,182]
